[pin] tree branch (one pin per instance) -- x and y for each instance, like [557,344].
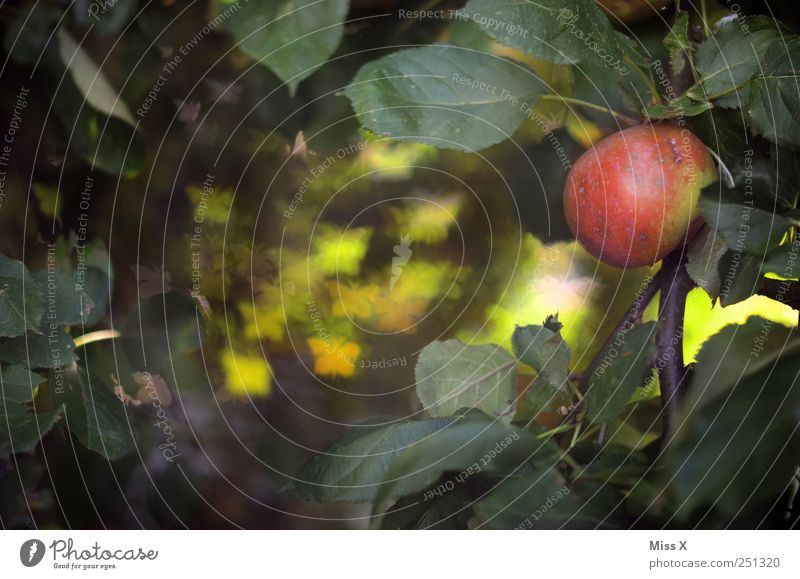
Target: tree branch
[675,285]
[632,316]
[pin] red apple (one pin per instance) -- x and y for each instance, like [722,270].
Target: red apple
[632,198]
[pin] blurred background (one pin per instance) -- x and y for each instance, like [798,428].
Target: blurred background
[269,270]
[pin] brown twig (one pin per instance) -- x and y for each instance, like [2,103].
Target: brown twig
[632,316]
[675,286]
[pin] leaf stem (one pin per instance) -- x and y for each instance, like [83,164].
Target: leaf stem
[575,434]
[586,104]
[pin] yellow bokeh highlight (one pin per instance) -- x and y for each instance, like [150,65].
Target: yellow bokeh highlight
[354,300]
[427,221]
[263,320]
[211,205]
[339,251]
[546,280]
[246,375]
[334,357]
[393,160]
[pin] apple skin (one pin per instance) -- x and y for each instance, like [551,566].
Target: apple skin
[632,198]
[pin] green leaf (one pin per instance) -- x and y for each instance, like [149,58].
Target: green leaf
[538,499]
[740,275]
[47,348]
[783,260]
[445,511]
[683,106]
[468,448]
[95,415]
[21,306]
[731,57]
[18,383]
[544,350]
[90,80]
[97,121]
[705,252]
[451,375]
[744,227]
[677,41]
[352,467]
[65,302]
[730,354]
[611,463]
[774,108]
[622,369]
[443,95]
[738,441]
[21,429]
[94,278]
[293,38]
[724,131]
[469,35]
[561,31]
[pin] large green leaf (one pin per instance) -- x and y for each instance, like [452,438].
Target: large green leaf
[90,80]
[100,127]
[738,441]
[702,263]
[352,467]
[443,95]
[677,41]
[561,31]
[293,38]
[731,57]
[744,227]
[774,107]
[95,415]
[21,428]
[622,369]
[428,511]
[451,375]
[65,302]
[782,261]
[18,383]
[543,349]
[21,306]
[537,499]
[740,275]
[46,348]
[468,447]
